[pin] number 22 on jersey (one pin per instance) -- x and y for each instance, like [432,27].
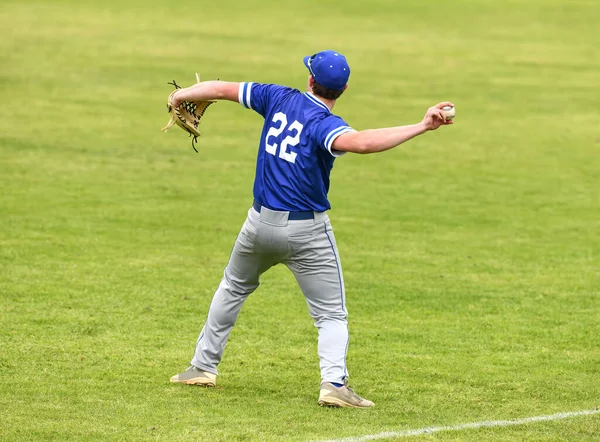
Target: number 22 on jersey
[291,140]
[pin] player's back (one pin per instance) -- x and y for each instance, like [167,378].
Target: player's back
[295,156]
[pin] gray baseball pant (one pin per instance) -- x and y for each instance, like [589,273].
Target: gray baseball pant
[309,250]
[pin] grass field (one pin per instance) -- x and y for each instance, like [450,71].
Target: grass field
[471,255]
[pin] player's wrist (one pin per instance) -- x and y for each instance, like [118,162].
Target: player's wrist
[423,127]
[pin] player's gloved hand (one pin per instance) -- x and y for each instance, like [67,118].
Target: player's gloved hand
[175,102]
[435,117]
[186,114]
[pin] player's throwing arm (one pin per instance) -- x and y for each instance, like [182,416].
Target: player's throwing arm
[379,140]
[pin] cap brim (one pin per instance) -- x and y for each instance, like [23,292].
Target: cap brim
[306,60]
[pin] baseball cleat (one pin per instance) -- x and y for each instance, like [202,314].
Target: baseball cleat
[195,376]
[332,396]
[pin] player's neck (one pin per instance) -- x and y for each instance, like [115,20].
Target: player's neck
[326,102]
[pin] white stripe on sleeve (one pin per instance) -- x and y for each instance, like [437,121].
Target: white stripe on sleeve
[329,139]
[248,104]
[241,93]
[244,95]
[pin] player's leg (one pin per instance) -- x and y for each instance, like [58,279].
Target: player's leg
[240,279]
[317,268]
[318,271]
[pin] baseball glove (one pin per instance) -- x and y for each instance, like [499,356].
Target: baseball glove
[187,115]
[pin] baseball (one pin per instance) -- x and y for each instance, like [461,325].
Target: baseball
[450,112]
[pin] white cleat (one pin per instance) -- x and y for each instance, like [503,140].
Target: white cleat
[195,376]
[332,396]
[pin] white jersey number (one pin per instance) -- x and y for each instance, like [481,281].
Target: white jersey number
[290,140]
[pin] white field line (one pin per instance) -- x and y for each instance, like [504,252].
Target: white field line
[483,424]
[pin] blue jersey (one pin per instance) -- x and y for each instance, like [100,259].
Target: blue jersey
[295,156]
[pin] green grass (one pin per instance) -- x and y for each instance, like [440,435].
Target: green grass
[471,255]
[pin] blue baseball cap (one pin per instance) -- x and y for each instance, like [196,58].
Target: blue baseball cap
[329,69]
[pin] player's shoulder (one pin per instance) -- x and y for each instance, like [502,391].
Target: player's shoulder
[262,97]
[272,88]
[274,93]
[286,91]
[329,128]
[331,120]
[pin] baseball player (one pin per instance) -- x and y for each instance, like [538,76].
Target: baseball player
[288,222]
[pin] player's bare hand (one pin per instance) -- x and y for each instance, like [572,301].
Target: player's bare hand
[435,117]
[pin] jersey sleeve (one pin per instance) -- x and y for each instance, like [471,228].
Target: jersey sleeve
[329,129]
[259,97]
